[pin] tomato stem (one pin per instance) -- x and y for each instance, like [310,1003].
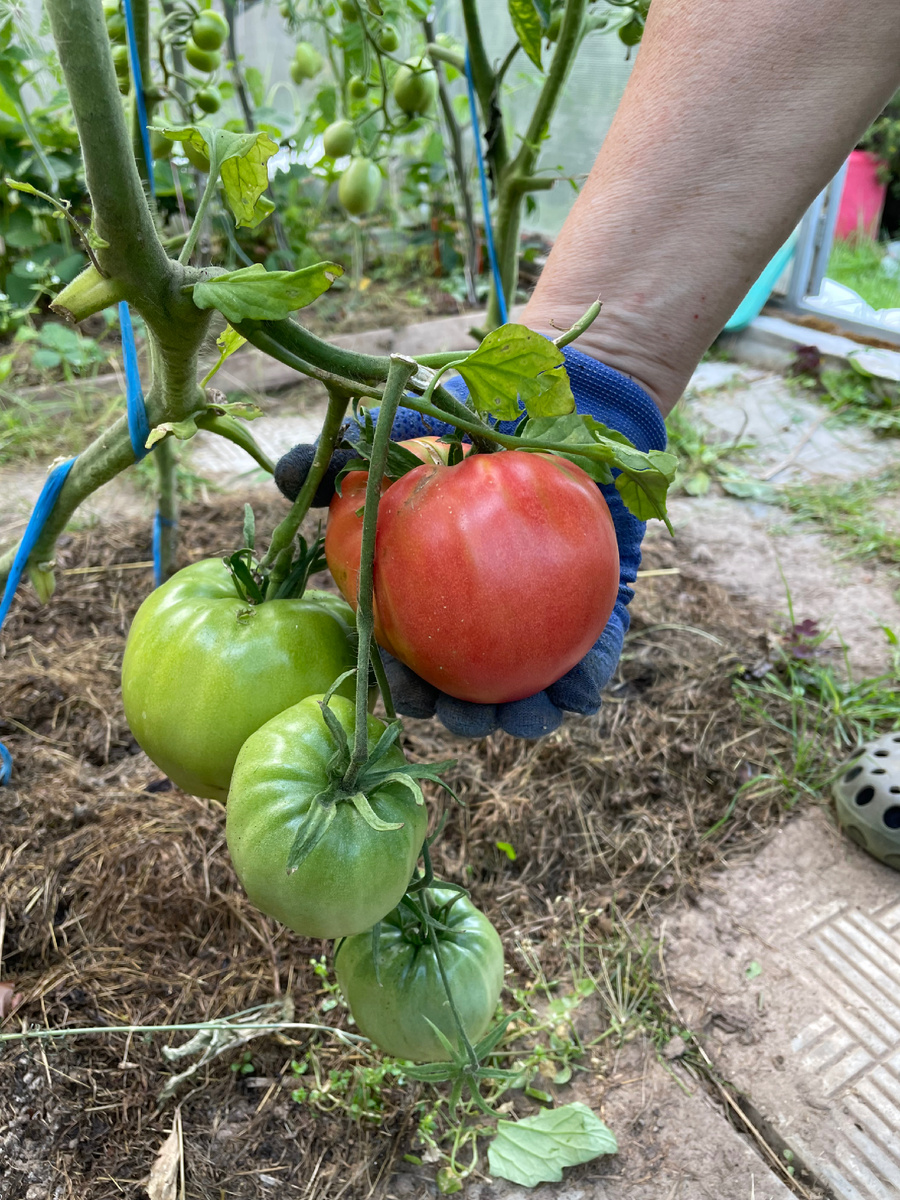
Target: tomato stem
[285,532]
[457,1019]
[399,374]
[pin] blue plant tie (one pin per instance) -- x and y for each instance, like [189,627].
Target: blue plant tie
[36,523]
[139,93]
[138,423]
[158,522]
[485,200]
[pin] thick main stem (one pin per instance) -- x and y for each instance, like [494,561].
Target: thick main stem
[398,376]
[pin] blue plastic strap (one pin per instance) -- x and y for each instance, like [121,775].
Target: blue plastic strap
[139,93]
[138,424]
[36,522]
[485,200]
[158,522]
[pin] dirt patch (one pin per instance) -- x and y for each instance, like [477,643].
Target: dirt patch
[118,903]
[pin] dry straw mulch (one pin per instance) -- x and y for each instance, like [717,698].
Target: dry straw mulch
[118,903]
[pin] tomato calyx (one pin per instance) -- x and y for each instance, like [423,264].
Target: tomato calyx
[252,582]
[353,784]
[400,460]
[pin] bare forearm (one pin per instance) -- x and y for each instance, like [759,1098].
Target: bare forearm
[736,115]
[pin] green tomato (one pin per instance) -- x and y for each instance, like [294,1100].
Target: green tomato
[116,27]
[206,61]
[388,39]
[208,100]
[415,86]
[632,33]
[339,138]
[160,146]
[355,874]
[209,30]
[357,87]
[360,187]
[203,670]
[390,1007]
[196,157]
[307,62]
[120,62]
[348,10]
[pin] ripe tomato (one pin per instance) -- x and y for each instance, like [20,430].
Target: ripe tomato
[356,874]
[343,535]
[493,578]
[203,670]
[391,1012]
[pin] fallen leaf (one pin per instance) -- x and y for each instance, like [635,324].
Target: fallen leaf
[163,1181]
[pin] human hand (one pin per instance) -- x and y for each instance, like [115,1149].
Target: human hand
[619,403]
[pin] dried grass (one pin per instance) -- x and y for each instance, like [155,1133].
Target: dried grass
[118,903]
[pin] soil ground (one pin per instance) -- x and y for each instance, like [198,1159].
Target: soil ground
[118,904]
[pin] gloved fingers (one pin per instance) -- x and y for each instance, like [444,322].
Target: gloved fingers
[465,718]
[579,690]
[292,469]
[412,696]
[530,718]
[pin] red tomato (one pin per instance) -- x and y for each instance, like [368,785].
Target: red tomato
[343,535]
[494,577]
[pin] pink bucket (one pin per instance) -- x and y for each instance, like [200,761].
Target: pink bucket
[862,199]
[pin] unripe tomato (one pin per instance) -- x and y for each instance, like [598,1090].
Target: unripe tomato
[203,670]
[209,30]
[348,10]
[415,86]
[196,157]
[120,62]
[390,1001]
[339,138]
[494,577]
[357,87]
[206,61]
[160,146]
[208,100]
[116,27]
[360,187]
[631,33]
[355,874]
[388,39]
[307,62]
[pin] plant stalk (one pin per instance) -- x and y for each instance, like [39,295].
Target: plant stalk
[167,507]
[401,370]
[285,532]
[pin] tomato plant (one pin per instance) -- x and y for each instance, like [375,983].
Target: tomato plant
[392,982]
[492,577]
[360,847]
[203,669]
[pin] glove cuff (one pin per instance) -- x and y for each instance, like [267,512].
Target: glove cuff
[615,399]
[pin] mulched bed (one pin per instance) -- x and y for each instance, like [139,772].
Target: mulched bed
[118,903]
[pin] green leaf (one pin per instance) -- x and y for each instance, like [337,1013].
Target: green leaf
[698,484]
[249,527]
[253,293]
[576,430]
[181,429]
[529,28]
[228,342]
[239,159]
[643,487]
[536,1149]
[254,80]
[514,363]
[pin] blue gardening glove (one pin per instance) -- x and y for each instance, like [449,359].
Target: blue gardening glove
[618,402]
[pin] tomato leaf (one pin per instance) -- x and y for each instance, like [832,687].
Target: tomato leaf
[249,527]
[536,1149]
[239,159]
[227,342]
[529,28]
[259,295]
[643,478]
[399,461]
[515,364]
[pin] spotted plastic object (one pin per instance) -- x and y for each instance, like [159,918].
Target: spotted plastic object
[867,794]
